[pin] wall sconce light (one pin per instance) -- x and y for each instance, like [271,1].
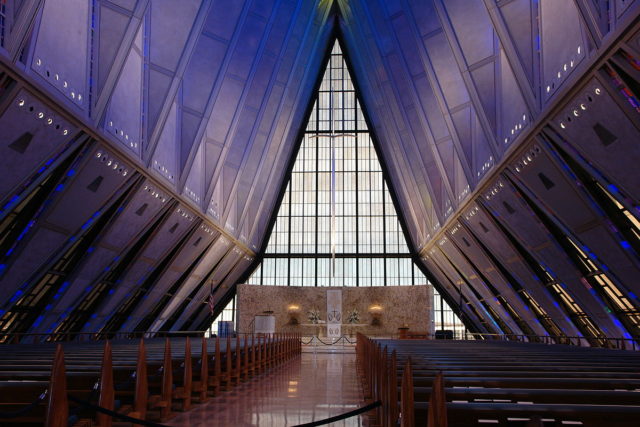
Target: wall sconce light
[293,310]
[375,309]
[376,312]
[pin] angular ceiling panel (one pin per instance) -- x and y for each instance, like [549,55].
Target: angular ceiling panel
[207,100]
[484,76]
[135,215]
[28,142]
[165,156]
[61,52]
[202,72]
[514,113]
[560,20]
[519,18]
[113,25]
[124,113]
[604,132]
[195,187]
[447,71]
[93,178]
[473,29]
[167,37]
[169,30]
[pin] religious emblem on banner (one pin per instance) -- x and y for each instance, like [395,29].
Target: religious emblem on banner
[334,313]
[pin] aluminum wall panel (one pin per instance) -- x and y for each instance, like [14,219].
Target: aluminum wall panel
[173,227]
[124,113]
[457,281]
[27,141]
[193,247]
[218,276]
[453,292]
[486,230]
[133,218]
[523,224]
[65,216]
[588,118]
[202,270]
[560,21]
[554,189]
[61,51]
[458,260]
[483,265]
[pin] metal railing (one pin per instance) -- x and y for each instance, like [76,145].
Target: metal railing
[36,338]
[601,342]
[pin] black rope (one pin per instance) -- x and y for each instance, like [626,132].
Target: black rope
[344,337]
[333,343]
[343,416]
[114,414]
[25,409]
[73,412]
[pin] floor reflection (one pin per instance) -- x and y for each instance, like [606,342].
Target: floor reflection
[310,388]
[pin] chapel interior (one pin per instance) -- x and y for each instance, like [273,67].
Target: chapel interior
[319,212]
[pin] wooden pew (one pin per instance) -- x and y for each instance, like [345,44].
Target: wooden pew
[140,379]
[201,383]
[184,388]
[490,380]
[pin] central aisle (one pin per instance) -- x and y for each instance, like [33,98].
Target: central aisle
[309,388]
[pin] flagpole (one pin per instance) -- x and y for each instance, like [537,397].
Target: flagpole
[211,306]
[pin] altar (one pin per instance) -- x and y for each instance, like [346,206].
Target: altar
[331,312]
[320,329]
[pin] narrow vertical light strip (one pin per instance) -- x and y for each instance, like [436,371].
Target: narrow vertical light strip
[332,137]
[333,205]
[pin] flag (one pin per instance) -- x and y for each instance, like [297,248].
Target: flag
[210,302]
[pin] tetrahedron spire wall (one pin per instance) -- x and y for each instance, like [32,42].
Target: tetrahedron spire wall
[506,129]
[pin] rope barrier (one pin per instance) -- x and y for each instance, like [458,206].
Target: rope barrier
[24,410]
[114,414]
[343,416]
[344,337]
[333,343]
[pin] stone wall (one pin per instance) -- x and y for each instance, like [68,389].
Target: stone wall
[400,305]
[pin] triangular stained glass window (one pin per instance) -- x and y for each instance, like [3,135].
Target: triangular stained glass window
[337,225]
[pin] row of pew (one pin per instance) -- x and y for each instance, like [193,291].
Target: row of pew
[463,383]
[97,384]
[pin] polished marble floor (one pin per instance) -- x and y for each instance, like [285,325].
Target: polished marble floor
[309,388]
